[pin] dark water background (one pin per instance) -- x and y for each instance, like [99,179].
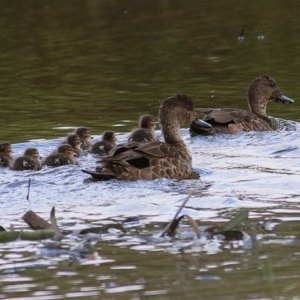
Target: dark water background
[100,64]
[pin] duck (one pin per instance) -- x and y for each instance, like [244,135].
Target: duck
[145,131]
[74,141]
[30,160]
[261,91]
[85,138]
[107,143]
[23,163]
[153,160]
[6,154]
[63,156]
[140,135]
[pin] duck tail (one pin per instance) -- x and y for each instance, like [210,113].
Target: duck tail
[99,175]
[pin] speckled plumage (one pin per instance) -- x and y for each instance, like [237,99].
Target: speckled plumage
[153,160]
[232,120]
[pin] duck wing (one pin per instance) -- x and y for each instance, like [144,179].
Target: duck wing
[134,160]
[223,116]
[137,155]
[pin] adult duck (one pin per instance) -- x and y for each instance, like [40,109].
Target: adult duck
[153,160]
[232,120]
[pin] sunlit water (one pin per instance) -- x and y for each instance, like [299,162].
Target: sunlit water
[256,170]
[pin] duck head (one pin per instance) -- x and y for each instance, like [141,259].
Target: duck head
[32,152]
[66,149]
[263,90]
[109,136]
[74,141]
[176,111]
[83,133]
[6,149]
[147,121]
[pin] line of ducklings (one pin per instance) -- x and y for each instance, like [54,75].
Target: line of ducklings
[74,146]
[151,159]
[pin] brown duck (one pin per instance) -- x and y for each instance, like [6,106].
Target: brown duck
[74,141]
[107,142]
[145,131]
[232,120]
[141,135]
[85,138]
[6,154]
[30,160]
[155,159]
[63,156]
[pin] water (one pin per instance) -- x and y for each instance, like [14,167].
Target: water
[101,64]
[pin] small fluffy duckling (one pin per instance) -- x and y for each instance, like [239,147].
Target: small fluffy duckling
[6,154]
[85,138]
[30,160]
[74,141]
[104,146]
[147,124]
[140,135]
[64,156]
[23,163]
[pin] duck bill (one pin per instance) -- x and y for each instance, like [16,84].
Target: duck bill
[283,99]
[201,123]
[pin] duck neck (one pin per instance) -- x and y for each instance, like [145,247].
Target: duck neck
[257,104]
[170,127]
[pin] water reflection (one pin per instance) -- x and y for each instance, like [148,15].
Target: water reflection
[98,63]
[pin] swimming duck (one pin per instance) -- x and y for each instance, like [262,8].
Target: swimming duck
[140,135]
[6,154]
[85,138]
[74,141]
[30,160]
[145,131]
[64,156]
[23,163]
[153,160]
[232,120]
[106,144]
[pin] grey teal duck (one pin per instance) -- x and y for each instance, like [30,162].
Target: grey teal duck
[169,159]
[232,120]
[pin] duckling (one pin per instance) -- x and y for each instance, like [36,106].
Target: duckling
[153,160]
[74,141]
[30,160]
[64,156]
[145,131]
[106,144]
[85,138]
[23,163]
[147,122]
[232,120]
[6,154]
[141,135]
